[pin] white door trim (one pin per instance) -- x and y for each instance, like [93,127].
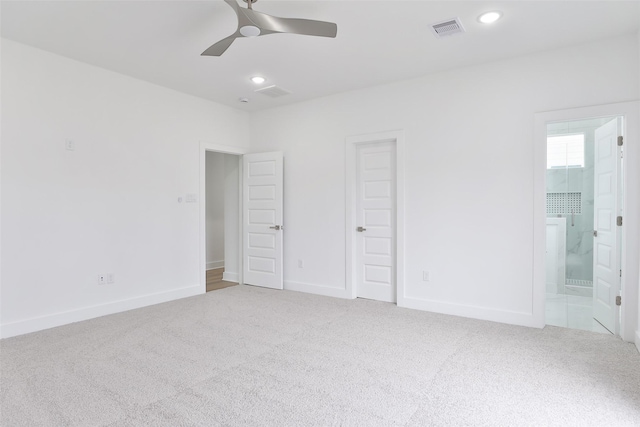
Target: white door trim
[396,136]
[631,227]
[224,149]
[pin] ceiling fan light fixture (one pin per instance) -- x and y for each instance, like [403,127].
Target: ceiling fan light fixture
[490,17]
[250,31]
[258,80]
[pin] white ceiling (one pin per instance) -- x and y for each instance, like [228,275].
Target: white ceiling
[377,42]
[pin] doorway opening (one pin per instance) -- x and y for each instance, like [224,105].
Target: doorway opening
[584,198]
[208,261]
[222,220]
[623,293]
[252,199]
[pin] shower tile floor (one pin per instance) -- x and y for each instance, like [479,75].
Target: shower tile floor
[572,311]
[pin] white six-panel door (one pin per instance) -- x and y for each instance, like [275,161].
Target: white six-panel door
[262,217]
[606,273]
[376,217]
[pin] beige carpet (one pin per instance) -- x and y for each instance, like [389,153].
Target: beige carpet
[246,356]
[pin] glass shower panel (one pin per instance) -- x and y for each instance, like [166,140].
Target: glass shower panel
[557,204]
[576,240]
[557,188]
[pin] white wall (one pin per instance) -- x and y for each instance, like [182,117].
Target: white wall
[231,217]
[638,219]
[469,172]
[110,205]
[215,186]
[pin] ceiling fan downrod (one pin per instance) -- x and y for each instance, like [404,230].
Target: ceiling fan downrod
[250,3]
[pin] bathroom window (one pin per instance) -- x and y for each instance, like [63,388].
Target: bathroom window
[565,151]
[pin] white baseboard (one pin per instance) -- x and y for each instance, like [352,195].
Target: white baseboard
[473,312]
[316,289]
[215,264]
[58,319]
[638,340]
[229,276]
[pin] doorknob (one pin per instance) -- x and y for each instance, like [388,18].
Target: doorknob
[361,229]
[275,227]
[595,233]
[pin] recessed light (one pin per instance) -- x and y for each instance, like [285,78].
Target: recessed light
[490,17]
[243,100]
[258,80]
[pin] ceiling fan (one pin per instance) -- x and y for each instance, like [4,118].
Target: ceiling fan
[253,24]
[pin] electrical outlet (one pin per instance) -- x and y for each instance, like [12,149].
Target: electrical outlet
[102,279]
[111,278]
[69,145]
[426,276]
[300,263]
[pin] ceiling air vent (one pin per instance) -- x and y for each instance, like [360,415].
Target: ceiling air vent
[273,91]
[447,28]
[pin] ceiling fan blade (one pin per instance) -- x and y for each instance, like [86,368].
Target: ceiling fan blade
[220,47]
[233,4]
[260,24]
[308,27]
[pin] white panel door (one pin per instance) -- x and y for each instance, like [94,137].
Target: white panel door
[606,268]
[376,218]
[262,219]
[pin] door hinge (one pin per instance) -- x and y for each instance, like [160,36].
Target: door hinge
[620,273]
[618,300]
[620,141]
[619,221]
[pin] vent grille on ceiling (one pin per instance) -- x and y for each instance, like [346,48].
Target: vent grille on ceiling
[273,91]
[447,28]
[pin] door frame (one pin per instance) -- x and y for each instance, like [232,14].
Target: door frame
[351,143]
[202,264]
[630,254]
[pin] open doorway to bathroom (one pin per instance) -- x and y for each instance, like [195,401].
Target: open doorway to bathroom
[583,240]
[221,220]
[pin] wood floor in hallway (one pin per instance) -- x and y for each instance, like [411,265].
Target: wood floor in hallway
[214,280]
